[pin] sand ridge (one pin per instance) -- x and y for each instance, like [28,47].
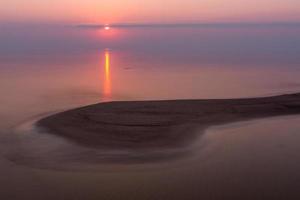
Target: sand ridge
[146,125]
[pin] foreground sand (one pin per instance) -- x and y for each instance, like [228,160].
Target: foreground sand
[143,125]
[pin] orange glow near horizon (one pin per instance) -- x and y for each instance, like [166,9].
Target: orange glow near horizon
[107,78]
[127,11]
[108,32]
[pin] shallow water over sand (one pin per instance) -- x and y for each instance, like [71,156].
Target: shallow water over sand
[249,160]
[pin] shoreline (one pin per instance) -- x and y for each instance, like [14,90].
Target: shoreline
[151,125]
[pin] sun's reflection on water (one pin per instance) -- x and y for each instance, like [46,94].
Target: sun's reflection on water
[107,92]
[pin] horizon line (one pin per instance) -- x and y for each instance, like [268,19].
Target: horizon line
[174,25]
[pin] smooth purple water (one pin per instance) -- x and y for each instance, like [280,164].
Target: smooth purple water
[46,69]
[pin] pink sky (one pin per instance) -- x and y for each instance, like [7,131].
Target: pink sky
[166,11]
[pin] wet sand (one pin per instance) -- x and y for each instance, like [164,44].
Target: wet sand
[149,125]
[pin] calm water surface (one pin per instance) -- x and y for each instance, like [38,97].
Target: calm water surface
[45,69]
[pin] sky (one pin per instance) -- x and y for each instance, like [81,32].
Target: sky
[149,11]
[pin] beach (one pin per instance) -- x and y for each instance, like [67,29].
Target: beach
[152,125]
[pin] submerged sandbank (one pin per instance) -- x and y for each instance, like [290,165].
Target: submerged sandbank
[146,125]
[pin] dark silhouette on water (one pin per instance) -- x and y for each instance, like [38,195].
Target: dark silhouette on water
[146,125]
